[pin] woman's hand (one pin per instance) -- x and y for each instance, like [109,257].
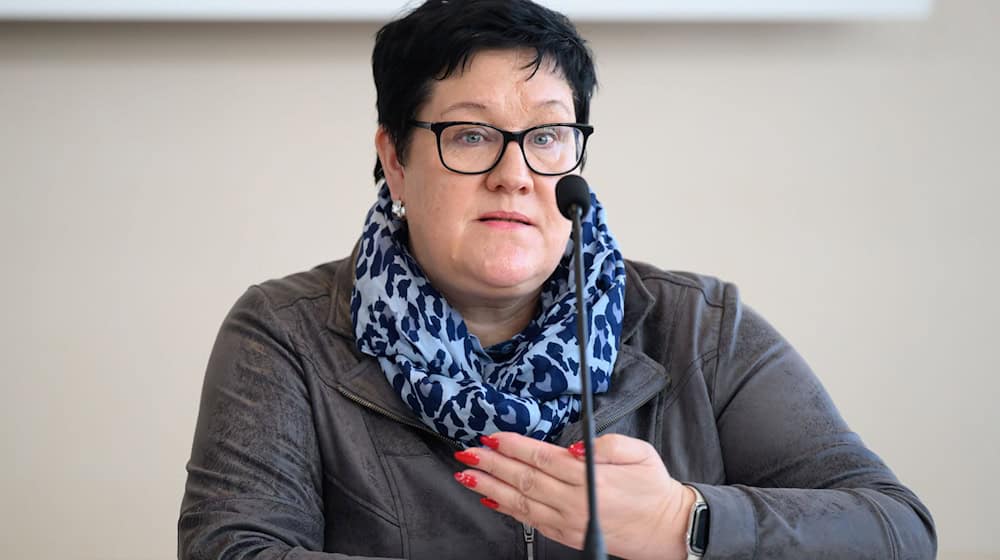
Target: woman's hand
[642,510]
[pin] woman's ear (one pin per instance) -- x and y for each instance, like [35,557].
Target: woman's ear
[395,175]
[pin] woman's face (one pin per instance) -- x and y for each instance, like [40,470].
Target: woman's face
[494,237]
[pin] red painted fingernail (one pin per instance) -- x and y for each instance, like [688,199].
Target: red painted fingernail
[492,504]
[490,441]
[577,449]
[467,457]
[466,480]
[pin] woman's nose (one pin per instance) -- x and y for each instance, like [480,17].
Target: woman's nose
[511,172]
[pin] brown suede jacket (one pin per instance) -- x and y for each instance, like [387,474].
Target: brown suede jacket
[303,451]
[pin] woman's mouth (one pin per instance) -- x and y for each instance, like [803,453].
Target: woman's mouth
[505,219]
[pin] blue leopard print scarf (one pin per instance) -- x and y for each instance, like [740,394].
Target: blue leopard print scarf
[529,384]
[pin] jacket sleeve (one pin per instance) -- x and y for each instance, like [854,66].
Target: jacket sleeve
[254,486]
[800,483]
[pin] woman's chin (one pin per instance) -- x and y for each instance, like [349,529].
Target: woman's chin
[513,276]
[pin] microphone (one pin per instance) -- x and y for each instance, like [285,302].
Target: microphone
[573,199]
[572,190]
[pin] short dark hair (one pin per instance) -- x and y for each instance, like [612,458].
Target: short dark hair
[440,37]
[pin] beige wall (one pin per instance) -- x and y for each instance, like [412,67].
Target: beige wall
[844,175]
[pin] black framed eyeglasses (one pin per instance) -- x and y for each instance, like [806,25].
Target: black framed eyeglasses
[473,148]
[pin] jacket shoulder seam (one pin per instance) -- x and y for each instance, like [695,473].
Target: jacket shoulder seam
[286,304]
[670,278]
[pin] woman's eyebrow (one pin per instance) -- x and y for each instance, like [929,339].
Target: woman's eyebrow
[465,105]
[552,102]
[476,106]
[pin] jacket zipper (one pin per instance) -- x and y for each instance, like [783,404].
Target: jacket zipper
[393,416]
[529,540]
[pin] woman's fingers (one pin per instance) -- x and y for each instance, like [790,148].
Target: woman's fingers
[533,481]
[616,449]
[508,500]
[517,481]
[508,453]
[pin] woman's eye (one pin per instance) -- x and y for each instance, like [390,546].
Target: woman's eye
[543,138]
[470,137]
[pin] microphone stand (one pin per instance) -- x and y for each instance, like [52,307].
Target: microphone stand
[593,548]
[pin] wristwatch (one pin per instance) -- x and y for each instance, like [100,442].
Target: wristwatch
[697,533]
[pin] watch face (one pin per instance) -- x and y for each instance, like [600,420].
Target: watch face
[699,530]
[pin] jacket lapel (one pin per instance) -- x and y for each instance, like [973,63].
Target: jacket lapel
[361,378]
[635,381]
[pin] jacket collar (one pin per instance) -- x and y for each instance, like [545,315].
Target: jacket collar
[636,378]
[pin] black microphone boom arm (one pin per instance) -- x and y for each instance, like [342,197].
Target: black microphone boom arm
[573,198]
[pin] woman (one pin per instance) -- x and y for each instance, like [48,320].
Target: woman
[362,407]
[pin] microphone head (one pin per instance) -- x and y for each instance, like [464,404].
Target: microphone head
[572,190]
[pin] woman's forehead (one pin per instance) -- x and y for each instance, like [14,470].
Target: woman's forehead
[502,81]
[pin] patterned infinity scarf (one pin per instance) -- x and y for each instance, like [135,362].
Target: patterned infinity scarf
[529,384]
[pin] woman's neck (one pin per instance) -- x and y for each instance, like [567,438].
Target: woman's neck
[493,322]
